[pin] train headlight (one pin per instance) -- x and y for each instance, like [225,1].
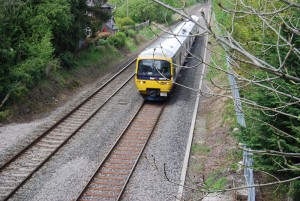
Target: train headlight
[141,82]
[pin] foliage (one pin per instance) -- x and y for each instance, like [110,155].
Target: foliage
[4,115]
[117,40]
[131,44]
[98,54]
[32,34]
[67,37]
[267,129]
[27,47]
[214,183]
[125,21]
[67,60]
[143,10]
[193,2]
[102,42]
[131,33]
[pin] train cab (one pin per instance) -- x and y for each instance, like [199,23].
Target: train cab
[158,66]
[153,77]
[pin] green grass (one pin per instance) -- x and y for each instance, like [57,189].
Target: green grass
[229,114]
[131,45]
[214,183]
[218,61]
[150,32]
[234,166]
[220,14]
[199,148]
[98,55]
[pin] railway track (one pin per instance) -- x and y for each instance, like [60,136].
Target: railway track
[18,169]
[112,176]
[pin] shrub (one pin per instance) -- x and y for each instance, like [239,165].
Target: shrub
[102,42]
[4,115]
[121,35]
[117,40]
[131,32]
[67,60]
[125,21]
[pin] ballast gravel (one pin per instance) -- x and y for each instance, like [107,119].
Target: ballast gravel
[158,172]
[63,177]
[157,175]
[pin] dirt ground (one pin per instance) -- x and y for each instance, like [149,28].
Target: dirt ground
[214,161]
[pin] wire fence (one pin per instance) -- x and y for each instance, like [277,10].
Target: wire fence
[247,156]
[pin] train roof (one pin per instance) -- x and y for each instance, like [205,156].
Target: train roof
[168,45]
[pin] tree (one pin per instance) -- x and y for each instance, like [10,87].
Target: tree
[261,40]
[142,10]
[33,34]
[27,47]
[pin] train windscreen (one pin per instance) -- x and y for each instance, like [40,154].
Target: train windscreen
[153,69]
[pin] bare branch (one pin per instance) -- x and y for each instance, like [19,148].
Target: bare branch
[254,13]
[291,3]
[273,153]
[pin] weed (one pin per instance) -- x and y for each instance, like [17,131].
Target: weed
[131,45]
[234,166]
[229,117]
[198,166]
[214,183]
[199,148]
[4,115]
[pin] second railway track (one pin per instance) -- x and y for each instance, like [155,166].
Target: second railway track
[110,179]
[18,169]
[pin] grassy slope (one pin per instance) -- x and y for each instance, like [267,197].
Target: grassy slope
[92,63]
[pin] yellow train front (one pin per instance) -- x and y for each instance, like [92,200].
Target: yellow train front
[153,77]
[158,66]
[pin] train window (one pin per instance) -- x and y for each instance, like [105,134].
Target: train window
[154,68]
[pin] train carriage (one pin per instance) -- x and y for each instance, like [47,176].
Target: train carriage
[158,66]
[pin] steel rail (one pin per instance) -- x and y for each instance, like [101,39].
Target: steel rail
[65,117]
[38,166]
[110,157]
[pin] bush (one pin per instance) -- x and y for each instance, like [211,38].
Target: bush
[125,21]
[102,42]
[117,40]
[67,60]
[121,35]
[131,33]
[4,115]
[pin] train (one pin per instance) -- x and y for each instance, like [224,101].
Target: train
[158,66]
